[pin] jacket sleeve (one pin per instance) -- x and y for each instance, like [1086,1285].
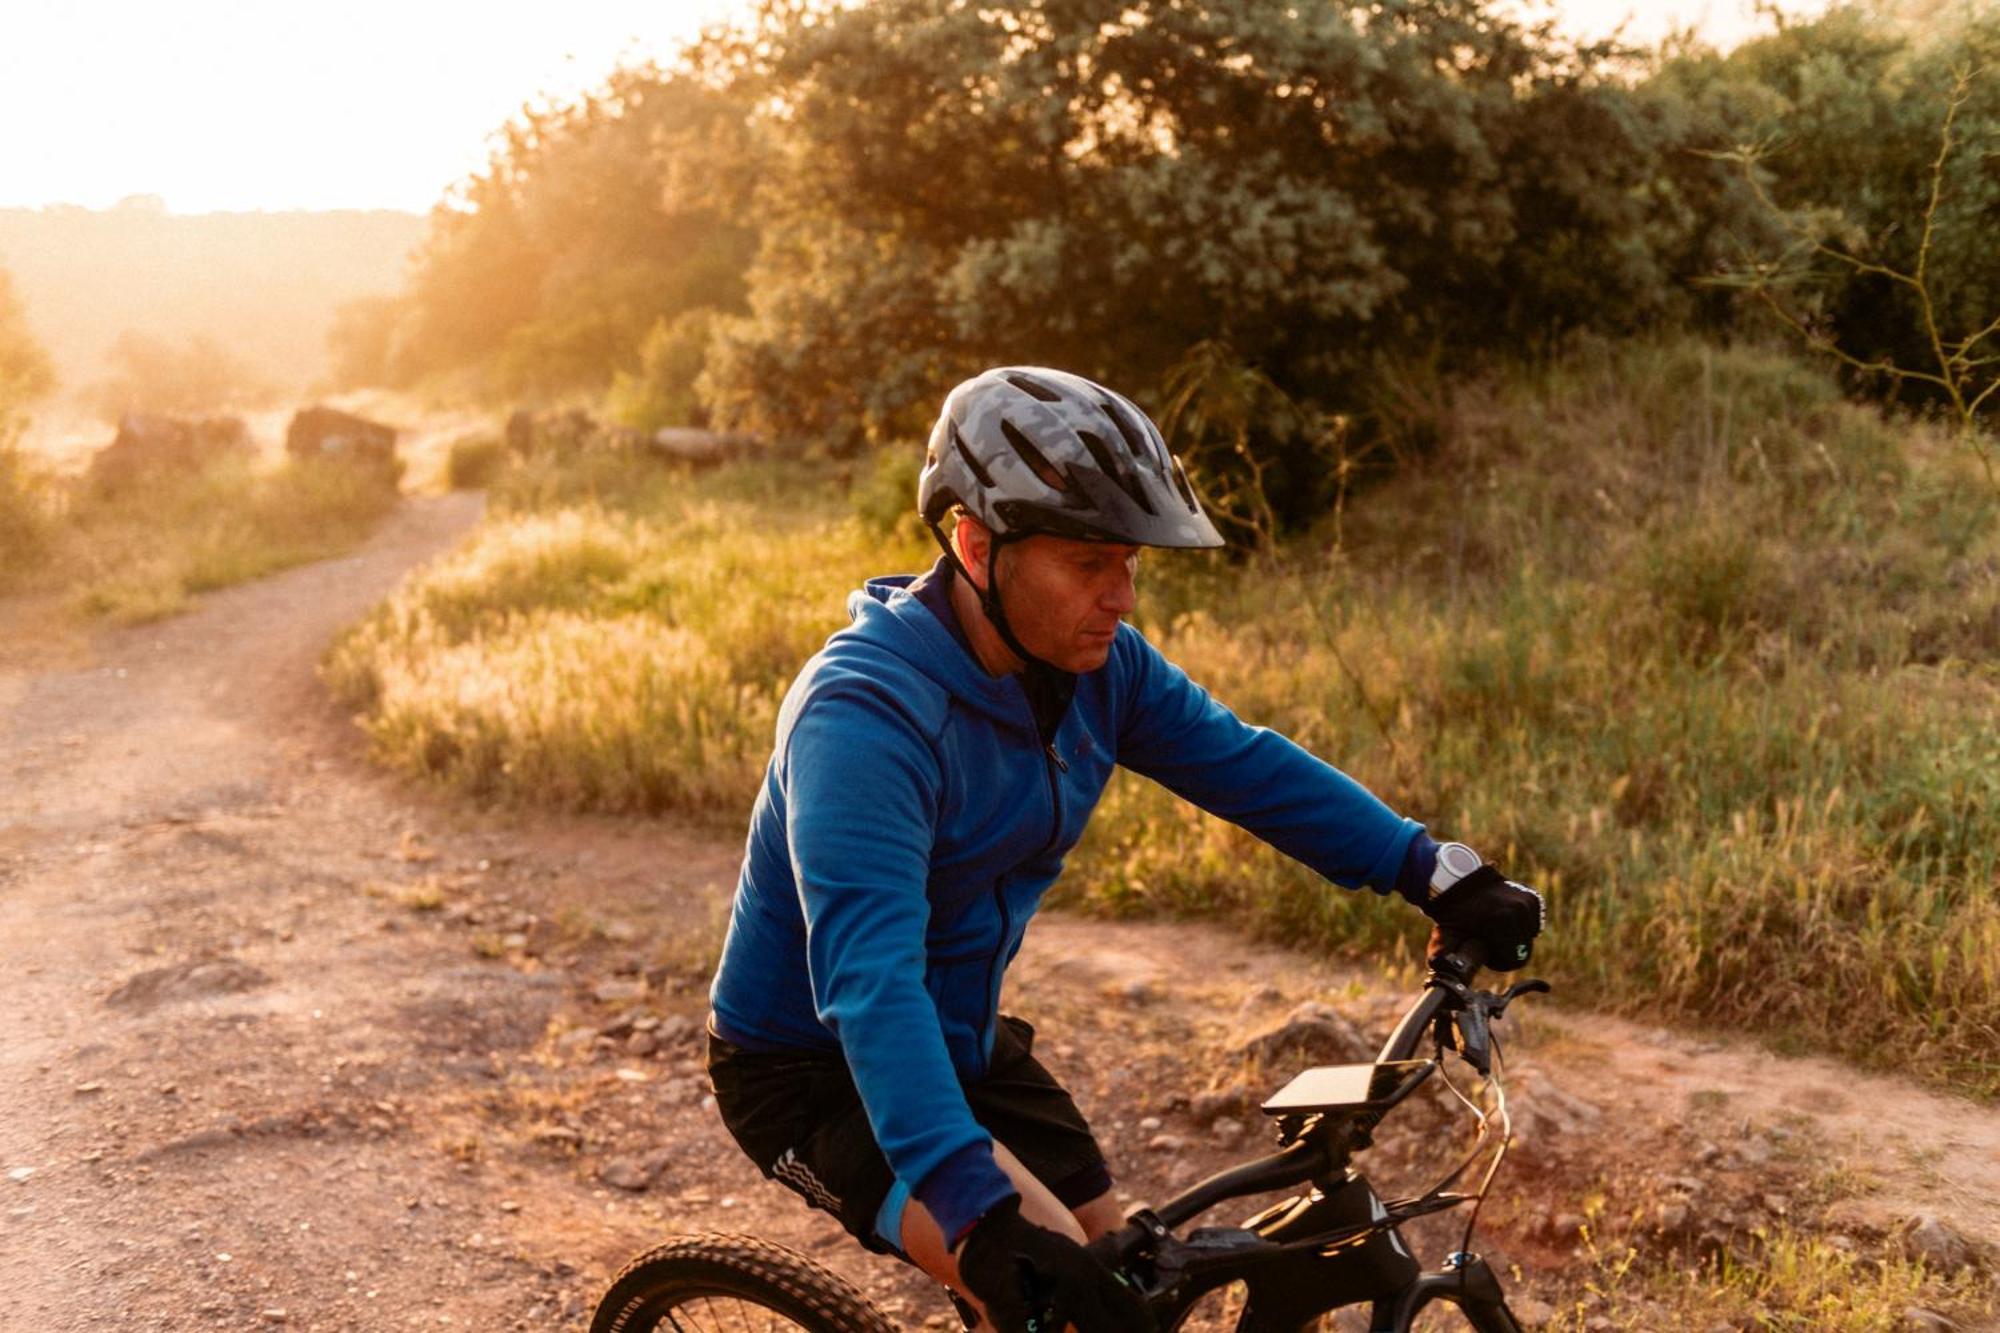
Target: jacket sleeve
[1172,731]
[862,789]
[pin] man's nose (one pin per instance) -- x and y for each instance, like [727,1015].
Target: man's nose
[1122,595]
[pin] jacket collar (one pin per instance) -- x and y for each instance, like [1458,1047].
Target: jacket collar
[886,615]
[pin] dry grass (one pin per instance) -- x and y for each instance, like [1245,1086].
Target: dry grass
[581,656]
[1668,629]
[146,551]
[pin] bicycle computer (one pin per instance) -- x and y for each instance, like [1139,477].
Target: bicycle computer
[1345,1087]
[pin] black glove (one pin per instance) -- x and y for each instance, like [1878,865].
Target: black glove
[1499,916]
[1018,1270]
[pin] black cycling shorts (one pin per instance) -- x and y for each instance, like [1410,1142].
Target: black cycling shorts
[798,1115]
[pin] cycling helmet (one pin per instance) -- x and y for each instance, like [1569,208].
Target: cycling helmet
[1027,450]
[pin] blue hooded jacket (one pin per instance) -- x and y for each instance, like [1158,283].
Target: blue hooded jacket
[911,819]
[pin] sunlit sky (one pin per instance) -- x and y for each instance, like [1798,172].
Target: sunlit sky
[276,104]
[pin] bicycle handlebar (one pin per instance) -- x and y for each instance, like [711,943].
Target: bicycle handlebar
[1449,1011]
[1460,958]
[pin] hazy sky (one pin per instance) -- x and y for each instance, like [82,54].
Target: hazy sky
[244,104]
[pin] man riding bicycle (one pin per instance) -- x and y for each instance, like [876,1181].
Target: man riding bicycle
[935,762]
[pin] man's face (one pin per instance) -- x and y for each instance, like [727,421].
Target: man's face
[1065,598]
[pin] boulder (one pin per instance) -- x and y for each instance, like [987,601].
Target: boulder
[688,444]
[326,432]
[562,433]
[148,444]
[1939,1244]
[1312,1034]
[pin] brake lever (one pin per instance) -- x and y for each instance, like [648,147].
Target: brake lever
[1533,986]
[1475,1038]
[1472,1023]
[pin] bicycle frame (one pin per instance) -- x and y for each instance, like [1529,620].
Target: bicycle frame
[1339,1245]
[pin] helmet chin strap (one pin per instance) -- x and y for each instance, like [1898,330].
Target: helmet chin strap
[989,596]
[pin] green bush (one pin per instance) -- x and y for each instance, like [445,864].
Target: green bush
[662,391]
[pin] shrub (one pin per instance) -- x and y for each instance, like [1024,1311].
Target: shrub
[25,519]
[662,391]
[474,461]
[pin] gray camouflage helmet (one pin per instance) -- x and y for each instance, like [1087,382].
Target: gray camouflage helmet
[1029,450]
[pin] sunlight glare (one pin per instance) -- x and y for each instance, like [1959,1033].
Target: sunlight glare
[236,105]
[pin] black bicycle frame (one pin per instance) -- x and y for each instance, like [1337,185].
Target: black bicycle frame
[1338,1245]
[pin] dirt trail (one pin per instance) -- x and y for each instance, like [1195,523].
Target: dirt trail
[288,1043]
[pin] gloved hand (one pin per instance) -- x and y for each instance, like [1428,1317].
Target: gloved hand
[1484,906]
[1016,1269]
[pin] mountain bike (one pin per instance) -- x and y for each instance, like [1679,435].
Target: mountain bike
[1287,1269]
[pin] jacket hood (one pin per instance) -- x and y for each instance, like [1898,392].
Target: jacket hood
[888,617]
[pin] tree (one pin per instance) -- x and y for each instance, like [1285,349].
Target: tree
[593,220]
[197,374]
[25,372]
[1105,185]
[25,376]
[1958,361]
[1873,234]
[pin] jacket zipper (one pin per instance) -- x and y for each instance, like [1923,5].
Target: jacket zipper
[1054,762]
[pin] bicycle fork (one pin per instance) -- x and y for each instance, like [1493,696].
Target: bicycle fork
[1466,1281]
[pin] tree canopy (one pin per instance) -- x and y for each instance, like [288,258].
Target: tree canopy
[819,220]
[542,274]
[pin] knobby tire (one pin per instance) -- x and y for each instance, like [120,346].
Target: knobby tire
[680,1286]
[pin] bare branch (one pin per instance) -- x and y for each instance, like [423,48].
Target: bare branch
[1957,370]
[1972,408]
[1966,344]
[1821,343]
[1863,266]
[1961,89]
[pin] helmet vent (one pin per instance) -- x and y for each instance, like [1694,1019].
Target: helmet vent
[979,471]
[1136,439]
[1034,388]
[1036,460]
[1113,467]
[1187,491]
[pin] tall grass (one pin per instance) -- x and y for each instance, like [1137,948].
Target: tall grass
[1668,629]
[1674,632]
[144,551]
[615,638]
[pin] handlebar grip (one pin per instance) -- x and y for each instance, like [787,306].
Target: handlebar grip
[1458,957]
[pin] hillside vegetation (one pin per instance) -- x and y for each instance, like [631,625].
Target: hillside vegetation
[1670,628]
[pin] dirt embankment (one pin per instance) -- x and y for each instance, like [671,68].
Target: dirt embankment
[289,1044]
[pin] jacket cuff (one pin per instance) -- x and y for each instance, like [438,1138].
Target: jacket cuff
[959,1190]
[1413,881]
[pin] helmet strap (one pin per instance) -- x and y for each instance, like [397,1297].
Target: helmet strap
[989,596]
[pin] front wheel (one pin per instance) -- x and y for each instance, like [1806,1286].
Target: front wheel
[698,1284]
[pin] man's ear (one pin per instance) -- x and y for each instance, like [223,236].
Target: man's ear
[974,544]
